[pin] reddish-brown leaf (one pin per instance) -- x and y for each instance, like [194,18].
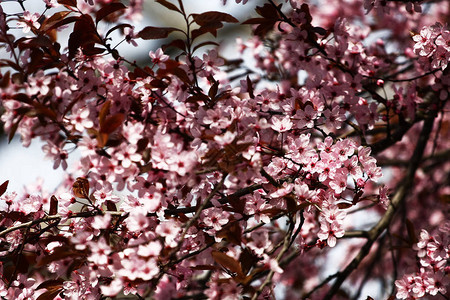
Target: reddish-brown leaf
[178,43]
[120,26]
[4,81]
[50,294]
[153,33]
[253,21]
[102,139]
[264,28]
[84,35]
[51,284]
[207,28]
[207,43]
[267,11]
[181,74]
[232,232]
[212,17]
[168,5]
[111,123]
[10,63]
[44,111]
[57,254]
[111,206]
[53,206]
[227,262]
[13,129]
[62,22]
[22,98]
[104,111]
[3,187]
[204,267]
[247,259]
[107,10]
[250,88]
[54,19]
[344,205]
[80,187]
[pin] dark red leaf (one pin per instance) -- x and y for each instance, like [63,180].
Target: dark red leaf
[204,267]
[62,22]
[213,17]
[264,28]
[50,294]
[13,129]
[120,26]
[10,63]
[254,21]
[53,206]
[4,81]
[344,205]
[112,123]
[247,260]
[3,187]
[111,206]
[178,43]
[168,5]
[54,19]
[227,262]
[268,11]
[84,35]
[107,10]
[232,232]
[104,111]
[207,43]
[153,33]
[51,284]
[250,88]
[57,254]
[209,28]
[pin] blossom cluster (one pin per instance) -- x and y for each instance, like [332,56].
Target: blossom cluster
[433,46]
[192,181]
[433,252]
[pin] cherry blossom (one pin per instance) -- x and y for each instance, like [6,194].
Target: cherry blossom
[29,21]
[210,173]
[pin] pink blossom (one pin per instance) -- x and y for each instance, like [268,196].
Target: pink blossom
[58,155]
[329,232]
[24,287]
[99,252]
[281,125]
[39,83]
[159,58]
[113,289]
[81,120]
[215,217]
[29,21]
[137,220]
